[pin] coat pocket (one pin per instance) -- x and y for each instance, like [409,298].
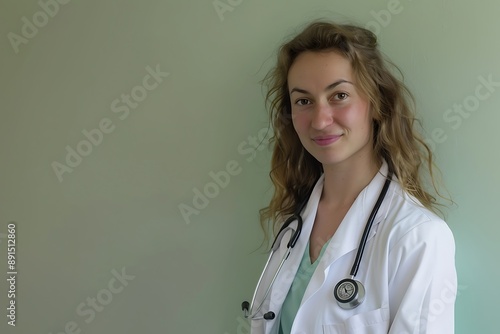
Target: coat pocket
[372,322]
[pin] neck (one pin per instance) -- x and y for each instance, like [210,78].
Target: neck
[345,181]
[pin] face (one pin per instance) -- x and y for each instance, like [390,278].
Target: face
[330,115]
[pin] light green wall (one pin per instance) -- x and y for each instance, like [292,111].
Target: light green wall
[119,208]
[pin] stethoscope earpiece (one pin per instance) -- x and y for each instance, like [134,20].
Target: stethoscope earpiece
[349,293]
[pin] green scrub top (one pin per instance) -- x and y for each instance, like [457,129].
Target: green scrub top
[297,289]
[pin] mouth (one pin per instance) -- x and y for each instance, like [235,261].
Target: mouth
[326,140]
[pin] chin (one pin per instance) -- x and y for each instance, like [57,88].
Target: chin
[329,160]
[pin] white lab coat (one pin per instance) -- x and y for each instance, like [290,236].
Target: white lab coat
[408,270]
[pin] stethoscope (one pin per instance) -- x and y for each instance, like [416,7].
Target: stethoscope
[348,292]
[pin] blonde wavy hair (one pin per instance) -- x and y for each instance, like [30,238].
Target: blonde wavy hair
[293,170]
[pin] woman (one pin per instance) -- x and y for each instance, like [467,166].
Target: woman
[344,131]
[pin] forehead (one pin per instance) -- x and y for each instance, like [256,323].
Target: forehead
[319,69]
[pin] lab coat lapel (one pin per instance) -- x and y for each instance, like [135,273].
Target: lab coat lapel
[291,265]
[349,232]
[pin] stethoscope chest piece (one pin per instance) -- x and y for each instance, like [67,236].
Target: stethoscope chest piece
[349,293]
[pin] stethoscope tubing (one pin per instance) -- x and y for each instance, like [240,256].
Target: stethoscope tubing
[251,313]
[276,243]
[248,311]
[368,226]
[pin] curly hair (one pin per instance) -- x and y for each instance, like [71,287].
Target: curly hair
[293,170]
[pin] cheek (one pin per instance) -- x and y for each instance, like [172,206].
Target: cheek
[357,116]
[300,122]
[367,127]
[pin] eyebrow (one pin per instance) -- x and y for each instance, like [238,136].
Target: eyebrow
[330,86]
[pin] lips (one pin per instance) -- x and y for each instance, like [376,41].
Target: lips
[326,140]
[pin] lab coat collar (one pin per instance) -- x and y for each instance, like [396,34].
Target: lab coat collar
[348,234]
[345,239]
[289,270]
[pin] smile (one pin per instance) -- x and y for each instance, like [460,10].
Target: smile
[326,140]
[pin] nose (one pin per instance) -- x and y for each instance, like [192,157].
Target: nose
[322,116]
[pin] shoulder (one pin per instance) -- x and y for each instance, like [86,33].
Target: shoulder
[409,222]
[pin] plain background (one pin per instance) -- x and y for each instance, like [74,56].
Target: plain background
[118,209]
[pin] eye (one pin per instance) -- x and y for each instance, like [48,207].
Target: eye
[340,96]
[302,102]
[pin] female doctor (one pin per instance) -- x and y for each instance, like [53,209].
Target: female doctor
[359,248]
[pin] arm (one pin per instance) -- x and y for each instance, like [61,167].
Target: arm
[423,280]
